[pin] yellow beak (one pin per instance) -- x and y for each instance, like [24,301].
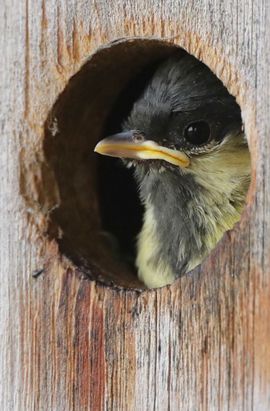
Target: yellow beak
[131,145]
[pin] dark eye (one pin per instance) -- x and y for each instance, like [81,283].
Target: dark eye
[197,133]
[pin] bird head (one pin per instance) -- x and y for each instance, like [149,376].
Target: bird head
[185,111]
[184,136]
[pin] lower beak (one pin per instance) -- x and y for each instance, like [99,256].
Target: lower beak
[131,144]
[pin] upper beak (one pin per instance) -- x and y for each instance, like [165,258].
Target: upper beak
[131,144]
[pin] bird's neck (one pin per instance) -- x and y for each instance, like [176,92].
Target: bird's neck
[184,220]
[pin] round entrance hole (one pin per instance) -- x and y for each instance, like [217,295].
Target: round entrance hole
[99,213]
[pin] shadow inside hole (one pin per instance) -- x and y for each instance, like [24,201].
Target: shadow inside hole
[97,195]
[122,219]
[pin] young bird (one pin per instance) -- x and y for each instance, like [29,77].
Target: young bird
[184,137]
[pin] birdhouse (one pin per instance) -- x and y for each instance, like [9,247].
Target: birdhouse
[80,330]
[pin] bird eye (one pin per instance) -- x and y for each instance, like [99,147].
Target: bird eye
[197,133]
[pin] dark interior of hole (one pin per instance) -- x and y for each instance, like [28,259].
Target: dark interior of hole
[120,207]
[95,194]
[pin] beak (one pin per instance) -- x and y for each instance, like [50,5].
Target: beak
[131,144]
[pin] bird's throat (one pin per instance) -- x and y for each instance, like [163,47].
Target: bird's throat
[182,223]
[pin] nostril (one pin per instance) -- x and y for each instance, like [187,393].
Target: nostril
[138,137]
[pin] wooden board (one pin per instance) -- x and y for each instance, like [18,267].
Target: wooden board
[68,343]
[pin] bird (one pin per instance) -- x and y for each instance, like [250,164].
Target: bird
[185,141]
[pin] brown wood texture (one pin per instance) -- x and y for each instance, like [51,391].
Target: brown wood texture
[68,343]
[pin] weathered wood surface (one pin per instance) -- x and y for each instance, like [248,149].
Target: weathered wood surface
[70,344]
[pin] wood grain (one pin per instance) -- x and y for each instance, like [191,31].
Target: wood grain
[68,343]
